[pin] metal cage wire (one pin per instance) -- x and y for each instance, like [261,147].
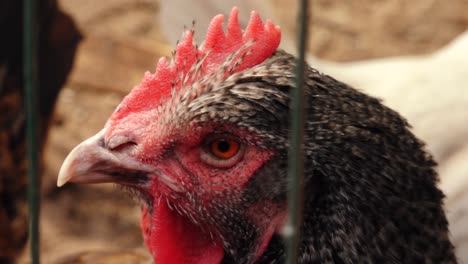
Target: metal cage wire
[296,139]
[295,154]
[31,87]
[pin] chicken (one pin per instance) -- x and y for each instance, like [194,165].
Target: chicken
[57,42]
[203,143]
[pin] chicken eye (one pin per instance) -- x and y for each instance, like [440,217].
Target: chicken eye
[224,148]
[222,151]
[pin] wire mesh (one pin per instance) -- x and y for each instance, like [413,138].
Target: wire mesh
[30,103]
[296,155]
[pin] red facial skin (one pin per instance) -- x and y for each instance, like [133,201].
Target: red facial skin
[174,238]
[144,135]
[171,238]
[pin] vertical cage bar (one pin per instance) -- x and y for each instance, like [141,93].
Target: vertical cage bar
[296,139]
[31,83]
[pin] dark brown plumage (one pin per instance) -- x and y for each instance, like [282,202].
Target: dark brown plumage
[58,39]
[371,194]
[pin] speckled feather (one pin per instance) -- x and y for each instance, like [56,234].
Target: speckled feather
[370,186]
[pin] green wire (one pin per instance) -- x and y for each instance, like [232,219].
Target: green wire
[296,154]
[31,84]
[295,157]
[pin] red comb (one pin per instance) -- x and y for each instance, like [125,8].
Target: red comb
[259,41]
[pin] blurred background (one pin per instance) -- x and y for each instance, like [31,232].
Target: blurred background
[412,54]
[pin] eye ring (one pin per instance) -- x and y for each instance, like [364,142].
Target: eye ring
[222,151]
[224,148]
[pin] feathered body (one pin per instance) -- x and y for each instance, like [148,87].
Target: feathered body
[57,43]
[369,184]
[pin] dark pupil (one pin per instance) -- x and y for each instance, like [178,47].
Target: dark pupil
[224,146]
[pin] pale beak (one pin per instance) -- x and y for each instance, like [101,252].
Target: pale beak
[93,161]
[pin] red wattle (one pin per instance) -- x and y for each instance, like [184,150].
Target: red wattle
[172,238]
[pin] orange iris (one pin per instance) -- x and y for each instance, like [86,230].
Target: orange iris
[224,148]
